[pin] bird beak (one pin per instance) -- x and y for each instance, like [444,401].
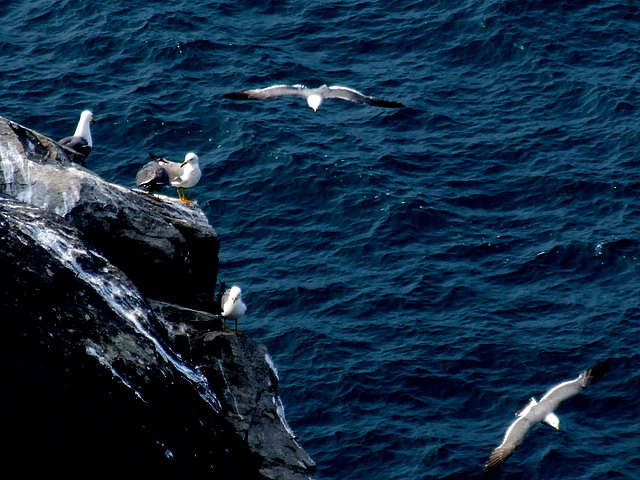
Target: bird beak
[93,120]
[183,164]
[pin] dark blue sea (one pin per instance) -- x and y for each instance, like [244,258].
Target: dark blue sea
[417,274]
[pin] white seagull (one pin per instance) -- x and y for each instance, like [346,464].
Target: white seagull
[181,175]
[314,96]
[81,142]
[232,306]
[535,412]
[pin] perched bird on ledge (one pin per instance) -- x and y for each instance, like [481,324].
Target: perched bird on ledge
[80,143]
[153,176]
[233,307]
[189,176]
[181,175]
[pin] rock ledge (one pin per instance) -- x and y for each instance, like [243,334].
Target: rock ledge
[109,371]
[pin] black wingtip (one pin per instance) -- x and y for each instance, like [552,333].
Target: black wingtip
[389,104]
[490,468]
[385,103]
[221,290]
[157,158]
[598,370]
[237,95]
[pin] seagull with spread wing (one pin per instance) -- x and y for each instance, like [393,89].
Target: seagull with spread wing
[542,412]
[314,96]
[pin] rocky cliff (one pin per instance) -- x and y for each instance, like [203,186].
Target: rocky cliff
[108,368]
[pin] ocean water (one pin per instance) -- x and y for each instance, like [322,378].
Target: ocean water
[417,274]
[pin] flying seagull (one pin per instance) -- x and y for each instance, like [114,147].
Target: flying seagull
[535,412]
[314,96]
[233,307]
[181,175]
[80,143]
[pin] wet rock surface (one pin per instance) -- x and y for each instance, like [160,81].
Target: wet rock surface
[156,241]
[107,371]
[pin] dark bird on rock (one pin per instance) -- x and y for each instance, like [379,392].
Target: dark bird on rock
[160,172]
[153,176]
[80,142]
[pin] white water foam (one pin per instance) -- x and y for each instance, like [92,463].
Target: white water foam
[277,402]
[224,377]
[269,360]
[8,156]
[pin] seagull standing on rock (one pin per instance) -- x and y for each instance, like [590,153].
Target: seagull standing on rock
[542,412]
[233,307]
[80,142]
[181,175]
[188,177]
[314,96]
[152,176]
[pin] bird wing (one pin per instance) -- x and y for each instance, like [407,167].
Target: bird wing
[570,388]
[77,144]
[152,175]
[516,433]
[227,303]
[156,158]
[225,297]
[518,429]
[345,93]
[269,92]
[174,169]
[241,307]
[221,292]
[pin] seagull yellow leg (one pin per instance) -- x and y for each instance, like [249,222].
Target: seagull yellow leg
[225,329]
[184,197]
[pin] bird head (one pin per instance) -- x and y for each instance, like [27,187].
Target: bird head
[189,158]
[314,102]
[235,293]
[552,420]
[87,116]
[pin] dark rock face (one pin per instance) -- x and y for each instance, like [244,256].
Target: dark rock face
[86,387]
[99,380]
[243,371]
[152,241]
